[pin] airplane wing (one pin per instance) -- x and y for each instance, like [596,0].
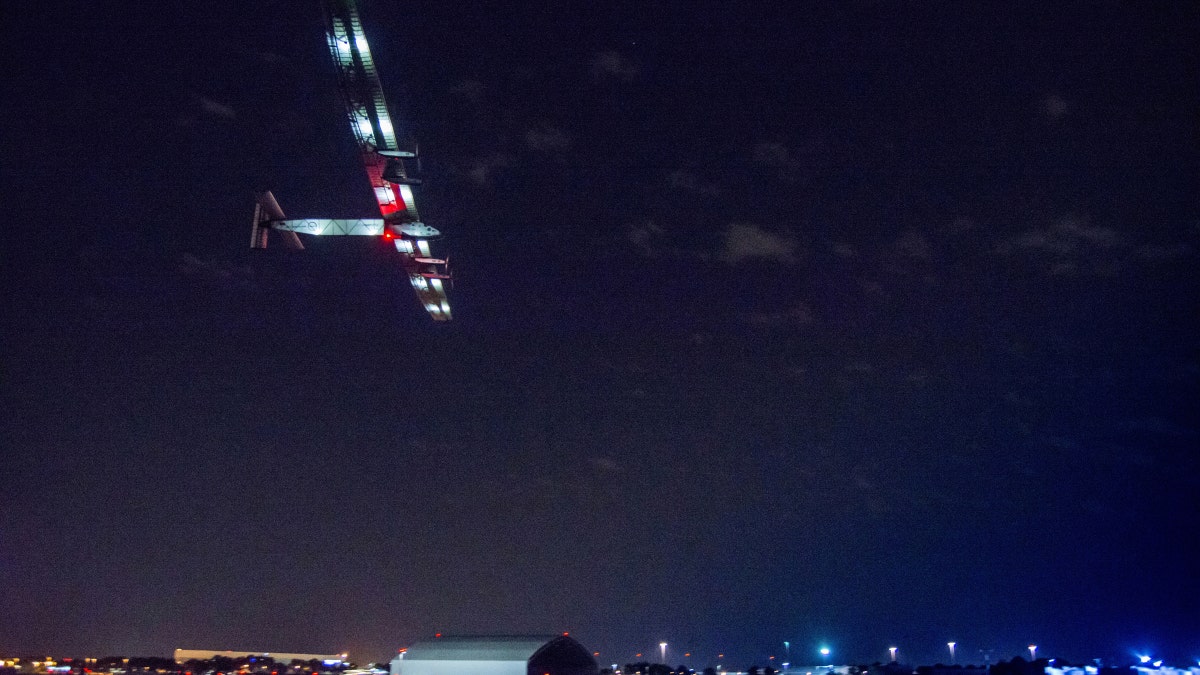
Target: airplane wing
[383,158]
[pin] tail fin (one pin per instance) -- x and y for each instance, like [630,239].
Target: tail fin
[267,211]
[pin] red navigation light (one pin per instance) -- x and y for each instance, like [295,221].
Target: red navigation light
[387,234]
[565,633]
[436,635]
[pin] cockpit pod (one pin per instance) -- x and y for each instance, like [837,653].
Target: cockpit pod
[415,229]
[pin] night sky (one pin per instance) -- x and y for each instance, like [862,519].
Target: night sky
[856,323]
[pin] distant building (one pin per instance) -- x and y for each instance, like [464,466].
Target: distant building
[941,669]
[182,655]
[496,655]
[1165,670]
[816,670]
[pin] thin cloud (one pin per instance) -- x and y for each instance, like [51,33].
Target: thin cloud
[220,272]
[799,314]
[483,168]
[216,109]
[1073,246]
[859,366]
[611,64]
[549,139]
[746,241]
[913,244]
[778,157]
[472,90]
[1068,246]
[690,182]
[843,250]
[1154,253]
[651,240]
[773,155]
[1054,107]
[605,464]
[960,225]
[645,238]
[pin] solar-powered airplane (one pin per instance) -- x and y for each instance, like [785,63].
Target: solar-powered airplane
[385,164]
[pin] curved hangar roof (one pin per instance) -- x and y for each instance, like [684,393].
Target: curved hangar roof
[498,655]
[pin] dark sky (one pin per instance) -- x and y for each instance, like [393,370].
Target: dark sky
[858,323]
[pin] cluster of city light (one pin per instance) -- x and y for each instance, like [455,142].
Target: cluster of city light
[123,665]
[1146,664]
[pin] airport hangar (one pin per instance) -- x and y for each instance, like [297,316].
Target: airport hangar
[496,655]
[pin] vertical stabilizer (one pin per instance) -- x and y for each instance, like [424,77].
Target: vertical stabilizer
[267,211]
